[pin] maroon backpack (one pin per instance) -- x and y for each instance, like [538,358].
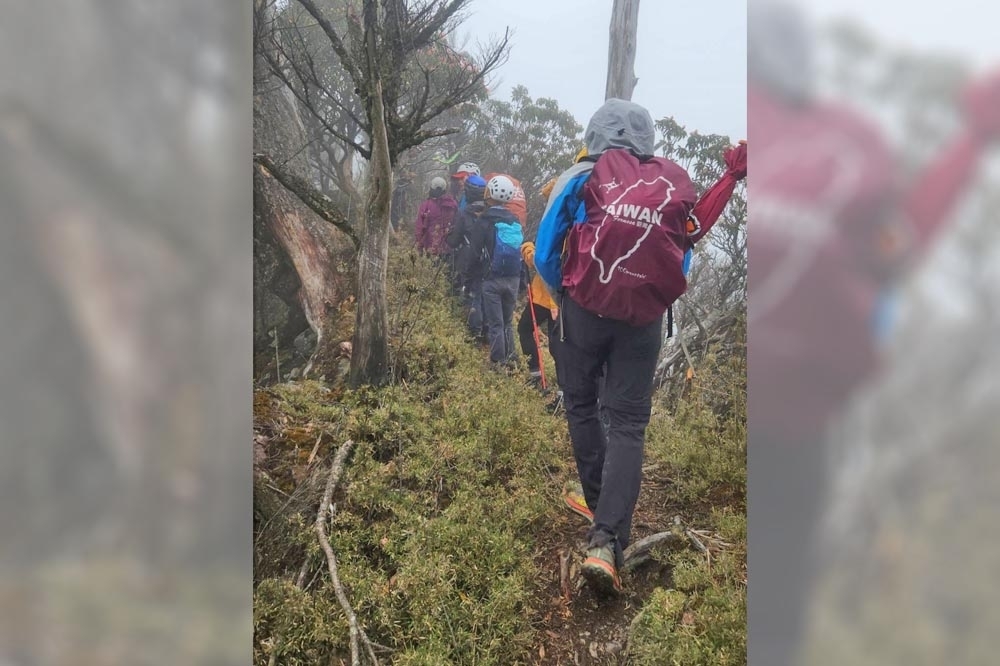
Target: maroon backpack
[625,260]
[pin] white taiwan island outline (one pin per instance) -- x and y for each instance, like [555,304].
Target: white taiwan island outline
[614,210]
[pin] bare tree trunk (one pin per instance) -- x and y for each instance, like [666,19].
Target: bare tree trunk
[370,355]
[621,50]
[314,244]
[311,246]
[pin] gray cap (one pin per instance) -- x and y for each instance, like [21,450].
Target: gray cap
[620,124]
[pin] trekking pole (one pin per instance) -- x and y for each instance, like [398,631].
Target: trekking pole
[538,343]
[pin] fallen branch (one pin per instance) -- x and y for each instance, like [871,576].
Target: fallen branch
[696,541]
[564,559]
[357,633]
[639,551]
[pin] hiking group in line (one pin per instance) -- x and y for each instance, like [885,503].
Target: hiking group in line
[610,257]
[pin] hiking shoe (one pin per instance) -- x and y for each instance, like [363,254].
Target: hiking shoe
[600,571]
[577,503]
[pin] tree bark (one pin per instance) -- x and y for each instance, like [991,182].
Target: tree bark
[370,355]
[310,245]
[621,50]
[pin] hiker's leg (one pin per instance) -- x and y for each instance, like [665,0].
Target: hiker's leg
[627,397]
[484,333]
[525,334]
[551,331]
[508,301]
[578,360]
[474,306]
[602,409]
[493,314]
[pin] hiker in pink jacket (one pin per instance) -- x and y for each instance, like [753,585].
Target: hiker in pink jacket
[434,219]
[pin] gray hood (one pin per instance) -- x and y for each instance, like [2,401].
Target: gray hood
[620,124]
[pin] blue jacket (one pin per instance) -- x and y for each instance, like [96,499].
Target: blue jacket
[564,209]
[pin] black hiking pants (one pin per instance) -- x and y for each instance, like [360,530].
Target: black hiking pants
[610,468]
[474,307]
[526,334]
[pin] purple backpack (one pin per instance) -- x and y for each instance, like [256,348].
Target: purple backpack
[625,261]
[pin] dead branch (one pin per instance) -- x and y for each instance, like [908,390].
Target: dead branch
[564,558]
[357,633]
[696,541]
[639,551]
[318,202]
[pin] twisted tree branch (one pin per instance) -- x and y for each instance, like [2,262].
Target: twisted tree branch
[357,633]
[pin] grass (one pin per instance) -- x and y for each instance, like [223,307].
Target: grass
[702,445]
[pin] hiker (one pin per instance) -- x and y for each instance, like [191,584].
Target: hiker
[434,219]
[545,309]
[544,314]
[818,296]
[468,278]
[459,178]
[519,204]
[626,220]
[496,241]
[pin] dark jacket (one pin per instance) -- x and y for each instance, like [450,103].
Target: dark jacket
[459,239]
[483,236]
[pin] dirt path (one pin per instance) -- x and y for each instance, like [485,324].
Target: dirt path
[589,629]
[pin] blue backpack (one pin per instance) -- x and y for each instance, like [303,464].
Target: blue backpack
[506,261]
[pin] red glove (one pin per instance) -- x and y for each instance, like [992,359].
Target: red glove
[981,103]
[736,160]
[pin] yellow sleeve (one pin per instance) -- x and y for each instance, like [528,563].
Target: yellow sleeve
[528,254]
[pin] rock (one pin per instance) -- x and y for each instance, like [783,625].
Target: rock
[305,342]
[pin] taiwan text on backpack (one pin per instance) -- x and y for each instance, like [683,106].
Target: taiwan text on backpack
[506,257]
[626,260]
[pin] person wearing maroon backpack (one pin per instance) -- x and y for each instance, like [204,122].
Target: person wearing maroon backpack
[627,220]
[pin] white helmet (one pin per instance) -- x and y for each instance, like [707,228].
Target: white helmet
[469,167]
[438,186]
[501,188]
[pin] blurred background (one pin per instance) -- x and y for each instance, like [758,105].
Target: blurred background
[125,302]
[873,296]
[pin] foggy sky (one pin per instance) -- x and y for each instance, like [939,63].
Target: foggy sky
[690,57]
